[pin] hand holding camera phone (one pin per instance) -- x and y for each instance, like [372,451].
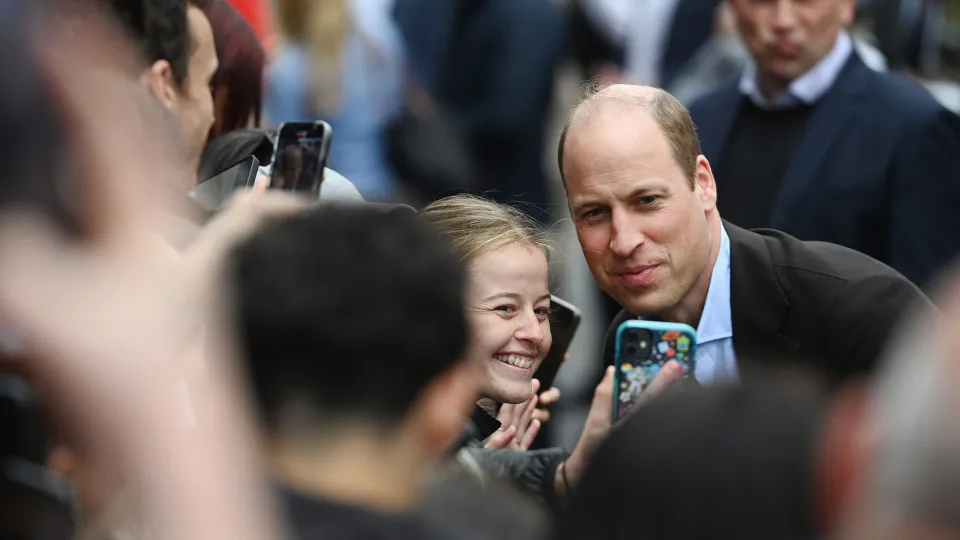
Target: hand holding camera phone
[300,156]
[642,349]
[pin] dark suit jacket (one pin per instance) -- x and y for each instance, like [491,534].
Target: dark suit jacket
[878,170]
[823,308]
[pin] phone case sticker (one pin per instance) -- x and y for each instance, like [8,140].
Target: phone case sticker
[634,378]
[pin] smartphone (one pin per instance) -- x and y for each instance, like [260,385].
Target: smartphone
[300,155]
[642,348]
[214,192]
[564,320]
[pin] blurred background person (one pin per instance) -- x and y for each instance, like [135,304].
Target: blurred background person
[488,67]
[812,142]
[340,61]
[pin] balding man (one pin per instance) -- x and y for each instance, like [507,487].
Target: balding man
[644,203]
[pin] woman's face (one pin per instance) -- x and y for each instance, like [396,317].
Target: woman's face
[509,300]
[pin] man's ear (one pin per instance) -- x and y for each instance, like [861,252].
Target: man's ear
[843,454]
[158,79]
[445,405]
[706,184]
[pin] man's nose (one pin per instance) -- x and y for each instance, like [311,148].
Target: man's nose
[625,236]
[785,16]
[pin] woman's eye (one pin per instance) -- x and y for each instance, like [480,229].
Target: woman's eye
[505,309]
[543,313]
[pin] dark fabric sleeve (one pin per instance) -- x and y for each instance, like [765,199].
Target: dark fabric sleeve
[532,471]
[925,194]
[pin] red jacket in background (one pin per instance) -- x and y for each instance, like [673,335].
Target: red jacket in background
[257,14]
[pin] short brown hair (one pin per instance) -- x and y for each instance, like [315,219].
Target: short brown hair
[672,117]
[476,226]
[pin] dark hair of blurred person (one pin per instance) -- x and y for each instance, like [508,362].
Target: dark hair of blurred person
[352,322]
[238,84]
[177,42]
[706,463]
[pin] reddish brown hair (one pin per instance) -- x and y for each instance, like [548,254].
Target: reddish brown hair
[238,84]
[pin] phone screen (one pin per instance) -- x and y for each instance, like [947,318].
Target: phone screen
[301,156]
[564,320]
[212,193]
[643,347]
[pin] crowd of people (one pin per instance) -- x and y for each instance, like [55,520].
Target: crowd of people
[361,363]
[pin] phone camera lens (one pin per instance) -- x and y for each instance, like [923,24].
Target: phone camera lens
[631,351]
[631,337]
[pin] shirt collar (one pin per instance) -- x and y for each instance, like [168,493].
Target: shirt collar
[807,88]
[716,322]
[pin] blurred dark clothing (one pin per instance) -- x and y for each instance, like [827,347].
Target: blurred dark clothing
[491,64]
[730,463]
[813,307]
[588,45]
[310,518]
[875,170]
[531,471]
[466,498]
[691,27]
[752,179]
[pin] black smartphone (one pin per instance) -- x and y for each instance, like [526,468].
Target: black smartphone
[300,155]
[564,320]
[214,192]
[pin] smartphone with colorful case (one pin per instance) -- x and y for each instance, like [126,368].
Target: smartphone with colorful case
[642,348]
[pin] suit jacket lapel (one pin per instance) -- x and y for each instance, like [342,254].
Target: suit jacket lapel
[716,126]
[830,118]
[758,306]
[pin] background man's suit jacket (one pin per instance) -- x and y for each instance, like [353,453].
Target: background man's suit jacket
[822,308]
[877,170]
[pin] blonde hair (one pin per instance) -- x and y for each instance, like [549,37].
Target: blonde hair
[321,26]
[476,226]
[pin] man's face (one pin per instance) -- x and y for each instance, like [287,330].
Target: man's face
[788,37]
[643,230]
[194,103]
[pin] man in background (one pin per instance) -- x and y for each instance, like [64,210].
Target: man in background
[810,141]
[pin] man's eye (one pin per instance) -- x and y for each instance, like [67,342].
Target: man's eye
[592,213]
[649,200]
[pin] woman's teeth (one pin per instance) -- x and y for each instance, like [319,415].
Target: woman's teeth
[524,362]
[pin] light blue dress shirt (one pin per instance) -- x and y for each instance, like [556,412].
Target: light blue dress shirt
[716,359]
[807,88]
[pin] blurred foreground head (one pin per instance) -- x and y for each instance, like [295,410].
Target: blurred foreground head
[352,321]
[911,487]
[706,463]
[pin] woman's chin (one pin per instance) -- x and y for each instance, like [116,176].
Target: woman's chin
[510,394]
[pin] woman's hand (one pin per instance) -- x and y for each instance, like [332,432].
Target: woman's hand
[518,427]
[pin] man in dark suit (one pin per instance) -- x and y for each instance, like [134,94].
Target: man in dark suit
[810,141]
[643,200]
